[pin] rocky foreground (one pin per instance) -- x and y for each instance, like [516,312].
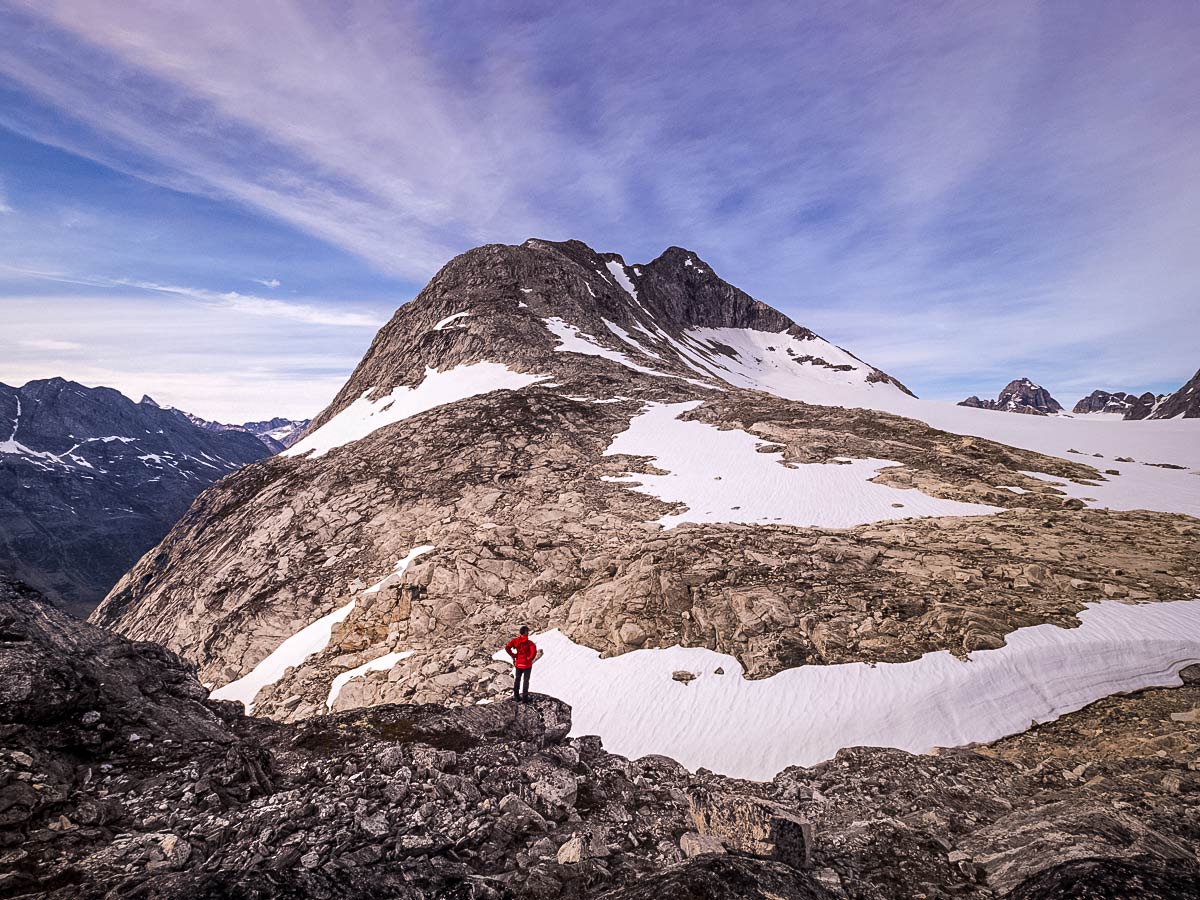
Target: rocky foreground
[119,779]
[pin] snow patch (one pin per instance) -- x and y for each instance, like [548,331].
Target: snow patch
[756,728]
[398,569]
[622,278]
[572,340]
[366,415]
[312,638]
[629,339]
[778,363]
[721,477]
[16,448]
[444,323]
[379,664]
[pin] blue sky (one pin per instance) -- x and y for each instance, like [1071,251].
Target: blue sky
[217,203]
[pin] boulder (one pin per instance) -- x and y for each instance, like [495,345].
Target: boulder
[752,825]
[693,844]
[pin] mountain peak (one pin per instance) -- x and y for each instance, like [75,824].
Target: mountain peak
[1021,395]
[563,312]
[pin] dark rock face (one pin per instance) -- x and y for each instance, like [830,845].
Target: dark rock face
[1106,879]
[1104,402]
[1020,396]
[117,778]
[1142,407]
[725,878]
[1183,403]
[276,434]
[89,481]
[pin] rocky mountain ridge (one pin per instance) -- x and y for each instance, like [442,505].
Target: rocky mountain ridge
[1183,403]
[89,481]
[519,305]
[1019,396]
[488,422]
[118,778]
[1099,401]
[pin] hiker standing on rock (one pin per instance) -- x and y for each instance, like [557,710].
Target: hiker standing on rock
[523,651]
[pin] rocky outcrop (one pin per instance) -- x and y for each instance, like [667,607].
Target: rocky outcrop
[1020,396]
[89,481]
[1182,404]
[117,778]
[1116,403]
[1144,406]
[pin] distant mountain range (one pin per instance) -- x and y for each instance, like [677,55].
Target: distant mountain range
[90,480]
[277,434]
[1023,396]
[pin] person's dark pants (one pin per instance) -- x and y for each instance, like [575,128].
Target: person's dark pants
[522,675]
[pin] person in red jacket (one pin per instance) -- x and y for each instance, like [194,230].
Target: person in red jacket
[522,650]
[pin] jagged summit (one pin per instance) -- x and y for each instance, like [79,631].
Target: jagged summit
[1183,403]
[276,434]
[1020,396]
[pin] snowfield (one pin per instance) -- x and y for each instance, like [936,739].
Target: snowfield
[755,729]
[721,477]
[1140,485]
[771,363]
[311,639]
[366,414]
[779,363]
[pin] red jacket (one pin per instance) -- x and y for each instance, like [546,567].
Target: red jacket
[522,650]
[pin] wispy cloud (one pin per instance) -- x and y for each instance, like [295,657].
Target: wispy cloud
[252,305]
[327,314]
[51,344]
[267,282]
[960,194]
